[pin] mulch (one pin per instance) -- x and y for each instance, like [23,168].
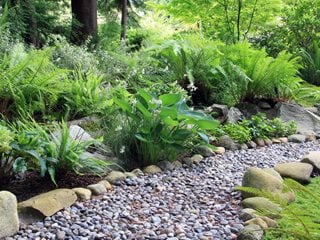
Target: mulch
[32,184]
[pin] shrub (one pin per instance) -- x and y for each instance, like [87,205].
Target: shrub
[237,132]
[156,128]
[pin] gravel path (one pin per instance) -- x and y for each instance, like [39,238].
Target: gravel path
[189,203]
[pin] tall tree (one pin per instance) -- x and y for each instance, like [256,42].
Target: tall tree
[84,20]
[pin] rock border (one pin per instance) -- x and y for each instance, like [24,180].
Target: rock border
[270,180]
[37,208]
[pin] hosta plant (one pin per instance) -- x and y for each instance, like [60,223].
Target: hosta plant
[153,128]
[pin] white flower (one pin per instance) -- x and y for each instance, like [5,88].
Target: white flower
[156,101]
[192,87]
[119,128]
[122,149]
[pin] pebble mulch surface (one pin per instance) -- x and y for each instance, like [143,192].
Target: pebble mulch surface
[189,203]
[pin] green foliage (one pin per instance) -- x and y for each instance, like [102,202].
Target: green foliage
[6,162]
[311,64]
[300,220]
[157,128]
[237,132]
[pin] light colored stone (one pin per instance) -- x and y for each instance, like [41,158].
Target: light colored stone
[312,158]
[247,214]
[276,140]
[297,138]
[284,139]
[289,197]
[270,222]
[106,184]
[300,172]
[251,232]
[9,221]
[115,176]
[130,175]
[177,164]
[151,169]
[257,221]
[187,161]
[197,158]
[259,142]
[252,144]
[257,178]
[273,172]
[219,150]
[79,134]
[97,189]
[82,193]
[243,146]
[310,136]
[261,203]
[138,172]
[46,204]
[234,115]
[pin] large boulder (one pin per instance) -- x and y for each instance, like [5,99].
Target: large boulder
[305,119]
[45,204]
[257,178]
[9,221]
[312,158]
[300,172]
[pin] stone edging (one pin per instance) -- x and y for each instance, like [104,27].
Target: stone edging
[271,180]
[47,204]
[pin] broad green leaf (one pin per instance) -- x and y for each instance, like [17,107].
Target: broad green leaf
[169,121]
[143,110]
[52,174]
[204,137]
[208,124]
[141,138]
[124,105]
[170,99]
[168,112]
[145,95]
[181,134]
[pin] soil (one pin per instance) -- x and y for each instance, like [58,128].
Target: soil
[33,184]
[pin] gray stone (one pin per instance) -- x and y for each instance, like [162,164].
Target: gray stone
[218,111]
[247,214]
[297,138]
[115,176]
[177,164]
[151,169]
[165,165]
[257,178]
[300,172]
[251,144]
[205,151]
[9,221]
[261,203]
[273,172]
[267,142]
[259,142]
[234,115]
[97,189]
[243,146]
[251,232]
[82,193]
[312,158]
[257,221]
[228,143]
[46,204]
[264,105]
[79,134]
[187,161]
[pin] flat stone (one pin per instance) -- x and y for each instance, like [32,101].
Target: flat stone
[9,221]
[300,172]
[151,169]
[251,232]
[312,158]
[261,203]
[47,204]
[115,176]
[297,138]
[82,193]
[97,189]
[257,221]
[257,178]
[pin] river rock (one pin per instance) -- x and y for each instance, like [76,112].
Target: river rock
[259,142]
[234,115]
[312,158]
[9,221]
[228,143]
[257,221]
[300,172]
[115,176]
[251,232]
[261,203]
[197,158]
[251,144]
[247,214]
[151,169]
[166,166]
[257,178]
[46,204]
[205,151]
[297,138]
[97,189]
[82,193]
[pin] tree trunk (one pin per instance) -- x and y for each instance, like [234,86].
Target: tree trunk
[124,15]
[84,20]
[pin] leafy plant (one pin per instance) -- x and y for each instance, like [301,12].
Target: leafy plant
[6,161]
[157,128]
[311,64]
[237,132]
